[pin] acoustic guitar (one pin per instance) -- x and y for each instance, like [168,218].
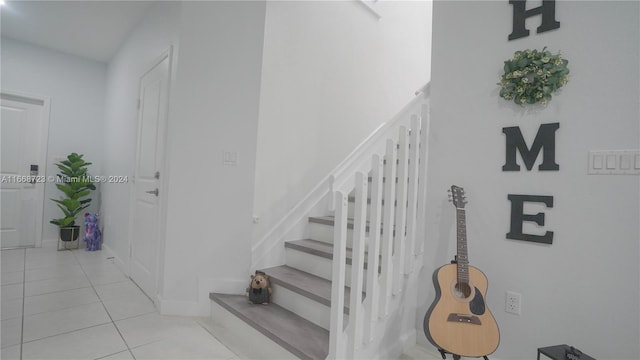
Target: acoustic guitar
[459,321]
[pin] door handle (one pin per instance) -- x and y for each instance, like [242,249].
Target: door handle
[154,192]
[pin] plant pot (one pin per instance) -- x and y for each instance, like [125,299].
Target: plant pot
[69,233]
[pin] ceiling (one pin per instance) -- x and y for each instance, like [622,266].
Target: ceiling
[92,29]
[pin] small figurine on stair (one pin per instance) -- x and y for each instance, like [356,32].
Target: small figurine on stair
[259,290]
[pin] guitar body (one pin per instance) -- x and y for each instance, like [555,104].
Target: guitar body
[459,321]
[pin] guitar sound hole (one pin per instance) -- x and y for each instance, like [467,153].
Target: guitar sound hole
[463,290]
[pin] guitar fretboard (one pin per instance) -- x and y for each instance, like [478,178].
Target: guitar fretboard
[463,256]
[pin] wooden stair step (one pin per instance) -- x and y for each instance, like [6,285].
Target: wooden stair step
[305,284]
[311,286]
[301,337]
[330,221]
[352,199]
[320,248]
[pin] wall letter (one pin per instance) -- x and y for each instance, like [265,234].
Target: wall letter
[545,138]
[520,14]
[518,217]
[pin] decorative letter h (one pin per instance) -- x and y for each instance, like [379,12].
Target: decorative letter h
[520,14]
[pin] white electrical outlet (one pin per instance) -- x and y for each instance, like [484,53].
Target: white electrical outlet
[513,303]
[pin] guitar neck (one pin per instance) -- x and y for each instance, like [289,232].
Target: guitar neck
[463,256]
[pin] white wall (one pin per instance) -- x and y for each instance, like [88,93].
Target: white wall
[583,289]
[76,88]
[152,36]
[214,109]
[331,74]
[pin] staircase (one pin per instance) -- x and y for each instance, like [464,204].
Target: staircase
[323,308]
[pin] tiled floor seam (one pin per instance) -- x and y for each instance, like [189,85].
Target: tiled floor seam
[118,352]
[65,333]
[53,292]
[105,308]
[24,289]
[60,309]
[215,337]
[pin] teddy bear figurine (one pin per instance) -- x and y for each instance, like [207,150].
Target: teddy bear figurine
[259,289]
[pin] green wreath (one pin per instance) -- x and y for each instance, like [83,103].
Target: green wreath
[532,76]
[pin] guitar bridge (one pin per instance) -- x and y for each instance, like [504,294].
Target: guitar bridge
[464,318]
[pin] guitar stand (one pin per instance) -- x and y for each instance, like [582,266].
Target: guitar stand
[444,353]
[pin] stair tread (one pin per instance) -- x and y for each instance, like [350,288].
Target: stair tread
[309,285]
[294,333]
[322,249]
[330,221]
[315,247]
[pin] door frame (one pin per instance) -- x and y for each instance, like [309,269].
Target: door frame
[163,185]
[45,102]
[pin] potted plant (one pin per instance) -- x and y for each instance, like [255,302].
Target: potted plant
[76,185]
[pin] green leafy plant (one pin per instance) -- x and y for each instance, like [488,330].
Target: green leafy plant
[76,185]
[531,76]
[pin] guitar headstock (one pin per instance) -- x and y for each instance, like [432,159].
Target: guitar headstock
[457,197]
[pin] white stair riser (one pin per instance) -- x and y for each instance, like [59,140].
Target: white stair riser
[301,305]
[351,210]
[231,328]
[325,234]
[316,265]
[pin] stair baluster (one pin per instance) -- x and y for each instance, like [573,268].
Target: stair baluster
[373,261]
[386,251]
[357,264]
[337,339]
[399,228]
[412,194]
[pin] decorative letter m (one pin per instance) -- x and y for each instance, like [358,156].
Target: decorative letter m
[545,141]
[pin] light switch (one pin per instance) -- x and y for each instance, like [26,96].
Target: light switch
[597,162]
[614,162]
[230,158]
[625,162]
[611,162]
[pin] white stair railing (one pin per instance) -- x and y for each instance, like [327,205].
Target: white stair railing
[395,207]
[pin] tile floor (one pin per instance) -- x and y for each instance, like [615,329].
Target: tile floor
[79,305]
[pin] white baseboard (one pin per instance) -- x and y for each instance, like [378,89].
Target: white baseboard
[201,306]
[406,340]
[116,259]
[178,307]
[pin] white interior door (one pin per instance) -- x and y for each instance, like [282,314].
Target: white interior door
[148,178]
[24,124]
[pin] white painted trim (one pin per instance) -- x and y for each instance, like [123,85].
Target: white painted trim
[298,214]
[360,157]
[45,102]
[404,341]
[164,181]
[116,259]
[177,307]
[369,5]
[202,306]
